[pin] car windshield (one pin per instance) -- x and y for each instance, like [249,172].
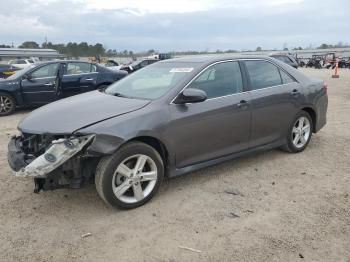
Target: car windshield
[152,81]
[20,73]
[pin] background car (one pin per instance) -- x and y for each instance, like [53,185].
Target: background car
[21,63]
[46,82]
[316,61]
[7,70]
[286,58]
[112,64]
[138,65]
[168,119]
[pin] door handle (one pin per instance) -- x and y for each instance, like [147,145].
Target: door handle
[48,84]
[243,104]
[89,79]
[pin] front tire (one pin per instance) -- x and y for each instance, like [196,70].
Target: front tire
[299,133]
[7,104]
[130,177]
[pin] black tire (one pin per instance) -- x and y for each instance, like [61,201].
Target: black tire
[108,165]
[10,104]
[289,146]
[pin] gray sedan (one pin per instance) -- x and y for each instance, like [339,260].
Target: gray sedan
[167,119]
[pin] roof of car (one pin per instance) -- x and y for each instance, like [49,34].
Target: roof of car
[277,54]
[214,58]
[63,61]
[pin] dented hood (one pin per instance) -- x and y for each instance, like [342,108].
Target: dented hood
[70,114]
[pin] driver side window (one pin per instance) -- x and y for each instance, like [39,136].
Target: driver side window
[221,79]
[50,70]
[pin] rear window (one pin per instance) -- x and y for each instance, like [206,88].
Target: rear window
[263,74]
[76,68]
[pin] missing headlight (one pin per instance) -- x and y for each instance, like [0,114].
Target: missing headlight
[55,155]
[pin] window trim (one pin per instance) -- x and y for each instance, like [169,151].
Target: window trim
[81,74]
[249,76]
[212,64]
[45,77]
[257,59]
[91,64]
[244,73]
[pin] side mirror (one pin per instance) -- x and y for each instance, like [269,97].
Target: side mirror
[191,95]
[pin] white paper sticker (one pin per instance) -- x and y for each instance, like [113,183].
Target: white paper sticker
[181,70]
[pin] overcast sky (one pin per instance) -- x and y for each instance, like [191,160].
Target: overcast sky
[177,24]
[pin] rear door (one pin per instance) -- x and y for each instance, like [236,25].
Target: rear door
[216,127]
[78,77]
[276,97]
[41,87]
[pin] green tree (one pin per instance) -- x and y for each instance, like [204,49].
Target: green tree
[29,44]
[324,46]
[258,49]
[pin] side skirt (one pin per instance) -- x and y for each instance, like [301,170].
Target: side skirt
[178,172]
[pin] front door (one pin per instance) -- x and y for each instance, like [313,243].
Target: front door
[41,85]
[216,127]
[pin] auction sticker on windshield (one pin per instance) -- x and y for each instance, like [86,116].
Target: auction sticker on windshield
[181,70]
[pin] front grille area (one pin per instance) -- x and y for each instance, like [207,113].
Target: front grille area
[35,145]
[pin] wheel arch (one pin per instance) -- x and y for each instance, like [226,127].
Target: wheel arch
[313,116]
[10,94]
[158,145]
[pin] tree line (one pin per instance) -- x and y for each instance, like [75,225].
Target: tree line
[70,49]
[83,49]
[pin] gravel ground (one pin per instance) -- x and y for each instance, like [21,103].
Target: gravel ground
[271,206]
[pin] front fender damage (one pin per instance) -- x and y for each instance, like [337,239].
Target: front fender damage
[56,155]
[104,145]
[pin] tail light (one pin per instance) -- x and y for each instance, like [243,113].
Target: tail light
[325,87]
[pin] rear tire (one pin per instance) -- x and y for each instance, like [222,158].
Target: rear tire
[299,133]
[7,104]
[130,177]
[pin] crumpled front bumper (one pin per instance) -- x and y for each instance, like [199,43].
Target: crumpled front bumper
[17,159]
[55,155]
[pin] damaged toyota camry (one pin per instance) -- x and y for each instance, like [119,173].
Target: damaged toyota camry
[167,119]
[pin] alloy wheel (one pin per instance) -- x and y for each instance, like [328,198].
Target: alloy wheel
[5,104]
[301,132]
[134,179]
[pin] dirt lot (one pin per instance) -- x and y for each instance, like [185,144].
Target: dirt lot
[284,207]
